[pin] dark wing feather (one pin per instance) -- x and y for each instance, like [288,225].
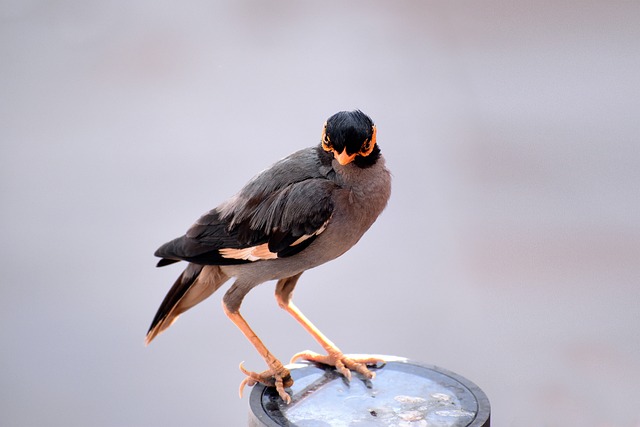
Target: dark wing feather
[285,207]
[297,210]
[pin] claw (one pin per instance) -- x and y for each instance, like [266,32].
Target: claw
[249,381]
[342,363]
[270,378]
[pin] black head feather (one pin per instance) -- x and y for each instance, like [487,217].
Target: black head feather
[350,130]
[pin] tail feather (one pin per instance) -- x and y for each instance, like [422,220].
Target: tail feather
[195,284]
[166,261]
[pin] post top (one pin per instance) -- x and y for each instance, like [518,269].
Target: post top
[403,392]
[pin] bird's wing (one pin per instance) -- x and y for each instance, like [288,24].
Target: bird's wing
[277,214]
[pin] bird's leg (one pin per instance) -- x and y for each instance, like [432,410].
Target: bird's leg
[276,376]
[334,357]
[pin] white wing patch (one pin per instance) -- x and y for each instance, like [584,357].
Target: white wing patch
[254,253]
[306,236]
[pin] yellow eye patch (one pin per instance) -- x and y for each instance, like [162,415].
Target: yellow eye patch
[367,147]
[326,144]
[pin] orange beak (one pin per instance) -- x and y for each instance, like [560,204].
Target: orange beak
[343,158]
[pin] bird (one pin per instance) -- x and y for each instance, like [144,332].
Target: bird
[305,210]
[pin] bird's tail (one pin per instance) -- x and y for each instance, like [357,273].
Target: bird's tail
[195,284]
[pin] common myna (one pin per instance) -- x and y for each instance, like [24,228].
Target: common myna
[305,210]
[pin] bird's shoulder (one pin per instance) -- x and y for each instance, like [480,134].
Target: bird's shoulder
[308,163]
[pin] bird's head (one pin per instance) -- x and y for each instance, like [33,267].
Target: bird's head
[351,137]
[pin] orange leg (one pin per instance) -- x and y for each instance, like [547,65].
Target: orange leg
[334,357]
[276,376]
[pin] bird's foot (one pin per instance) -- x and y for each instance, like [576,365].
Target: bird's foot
[276,376]
[342,363]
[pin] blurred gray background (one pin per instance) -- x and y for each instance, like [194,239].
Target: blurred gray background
[509,252]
